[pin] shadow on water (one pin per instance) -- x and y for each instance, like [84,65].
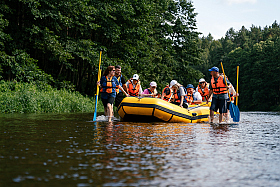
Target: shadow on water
[71,150]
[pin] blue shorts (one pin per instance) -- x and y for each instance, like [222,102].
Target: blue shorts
[220,104]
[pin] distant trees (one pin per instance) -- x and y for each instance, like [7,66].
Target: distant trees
[257,51]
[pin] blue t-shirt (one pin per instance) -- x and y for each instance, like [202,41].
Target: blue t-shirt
[105,95]
[220,96]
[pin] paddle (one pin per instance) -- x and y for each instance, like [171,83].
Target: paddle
[97,91]
[237,116]
[234,113]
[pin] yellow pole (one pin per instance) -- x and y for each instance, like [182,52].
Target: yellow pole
[97,90]
[99,74]
[237,85]
[225,79]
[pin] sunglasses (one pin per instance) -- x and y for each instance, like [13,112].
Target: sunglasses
[113,70]
[153,87]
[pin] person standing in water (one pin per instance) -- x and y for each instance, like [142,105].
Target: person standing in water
[220,94]
[121,80]
[109,83]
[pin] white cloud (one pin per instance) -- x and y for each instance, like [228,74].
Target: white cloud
[230,2]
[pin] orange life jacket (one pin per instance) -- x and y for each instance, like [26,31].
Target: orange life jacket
[218,87]
[167,96]
[189,98]
[133,91]
[177,96]
[108,86]
[204,93]
[119,80]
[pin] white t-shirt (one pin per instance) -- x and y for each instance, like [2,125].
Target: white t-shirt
[197,96]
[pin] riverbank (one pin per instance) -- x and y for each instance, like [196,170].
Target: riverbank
[18,97]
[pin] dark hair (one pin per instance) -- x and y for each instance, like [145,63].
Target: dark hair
[108,69]
[118,67]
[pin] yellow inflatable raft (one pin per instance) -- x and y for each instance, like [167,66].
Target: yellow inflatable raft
[154,109]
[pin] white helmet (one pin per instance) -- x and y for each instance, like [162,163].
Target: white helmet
[172,83]
[202,80]
[135,77]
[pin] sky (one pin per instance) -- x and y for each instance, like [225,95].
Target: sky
[218,16]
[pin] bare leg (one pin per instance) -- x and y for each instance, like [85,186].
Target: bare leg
[221,117]
[211,116]
[109,112]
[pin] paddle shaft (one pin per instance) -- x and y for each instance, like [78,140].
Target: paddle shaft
[97,90]
[225,80]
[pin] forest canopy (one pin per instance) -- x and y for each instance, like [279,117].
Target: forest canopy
[58,42]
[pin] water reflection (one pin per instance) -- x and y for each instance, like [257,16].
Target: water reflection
[66,149]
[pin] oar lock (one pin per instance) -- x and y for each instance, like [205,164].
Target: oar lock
[194,114]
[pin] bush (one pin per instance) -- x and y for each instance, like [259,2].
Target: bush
[21,97]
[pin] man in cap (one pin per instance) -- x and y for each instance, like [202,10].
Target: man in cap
[192,96]
[203,89]
[220,94]
[133,86]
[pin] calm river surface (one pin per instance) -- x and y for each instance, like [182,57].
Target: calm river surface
[69,150]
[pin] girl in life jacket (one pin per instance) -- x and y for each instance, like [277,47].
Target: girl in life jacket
[203,89]
[179,93]
[133,86]
[109,84]
[152,91]
[166,93]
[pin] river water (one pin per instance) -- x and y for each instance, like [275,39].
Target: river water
[69,150]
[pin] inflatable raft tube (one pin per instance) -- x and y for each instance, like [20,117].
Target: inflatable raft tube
[146,109]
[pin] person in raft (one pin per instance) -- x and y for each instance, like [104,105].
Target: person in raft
[179,93]
[121,80]
[203,89]
[109,83]
[220,94]
[133,86]
[193,97]
[152,91]
[166,93]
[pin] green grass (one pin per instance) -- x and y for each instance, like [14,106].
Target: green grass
[18,97]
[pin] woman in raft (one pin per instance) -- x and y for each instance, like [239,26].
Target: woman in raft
[108,84]
[179,93]
[152,91]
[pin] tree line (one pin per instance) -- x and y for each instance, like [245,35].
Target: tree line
[58,42]
[257,51]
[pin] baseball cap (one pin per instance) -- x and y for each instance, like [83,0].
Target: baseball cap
[172,83]
[135,77]
[190,86]
[153,83]
[214,69]
[202,80]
